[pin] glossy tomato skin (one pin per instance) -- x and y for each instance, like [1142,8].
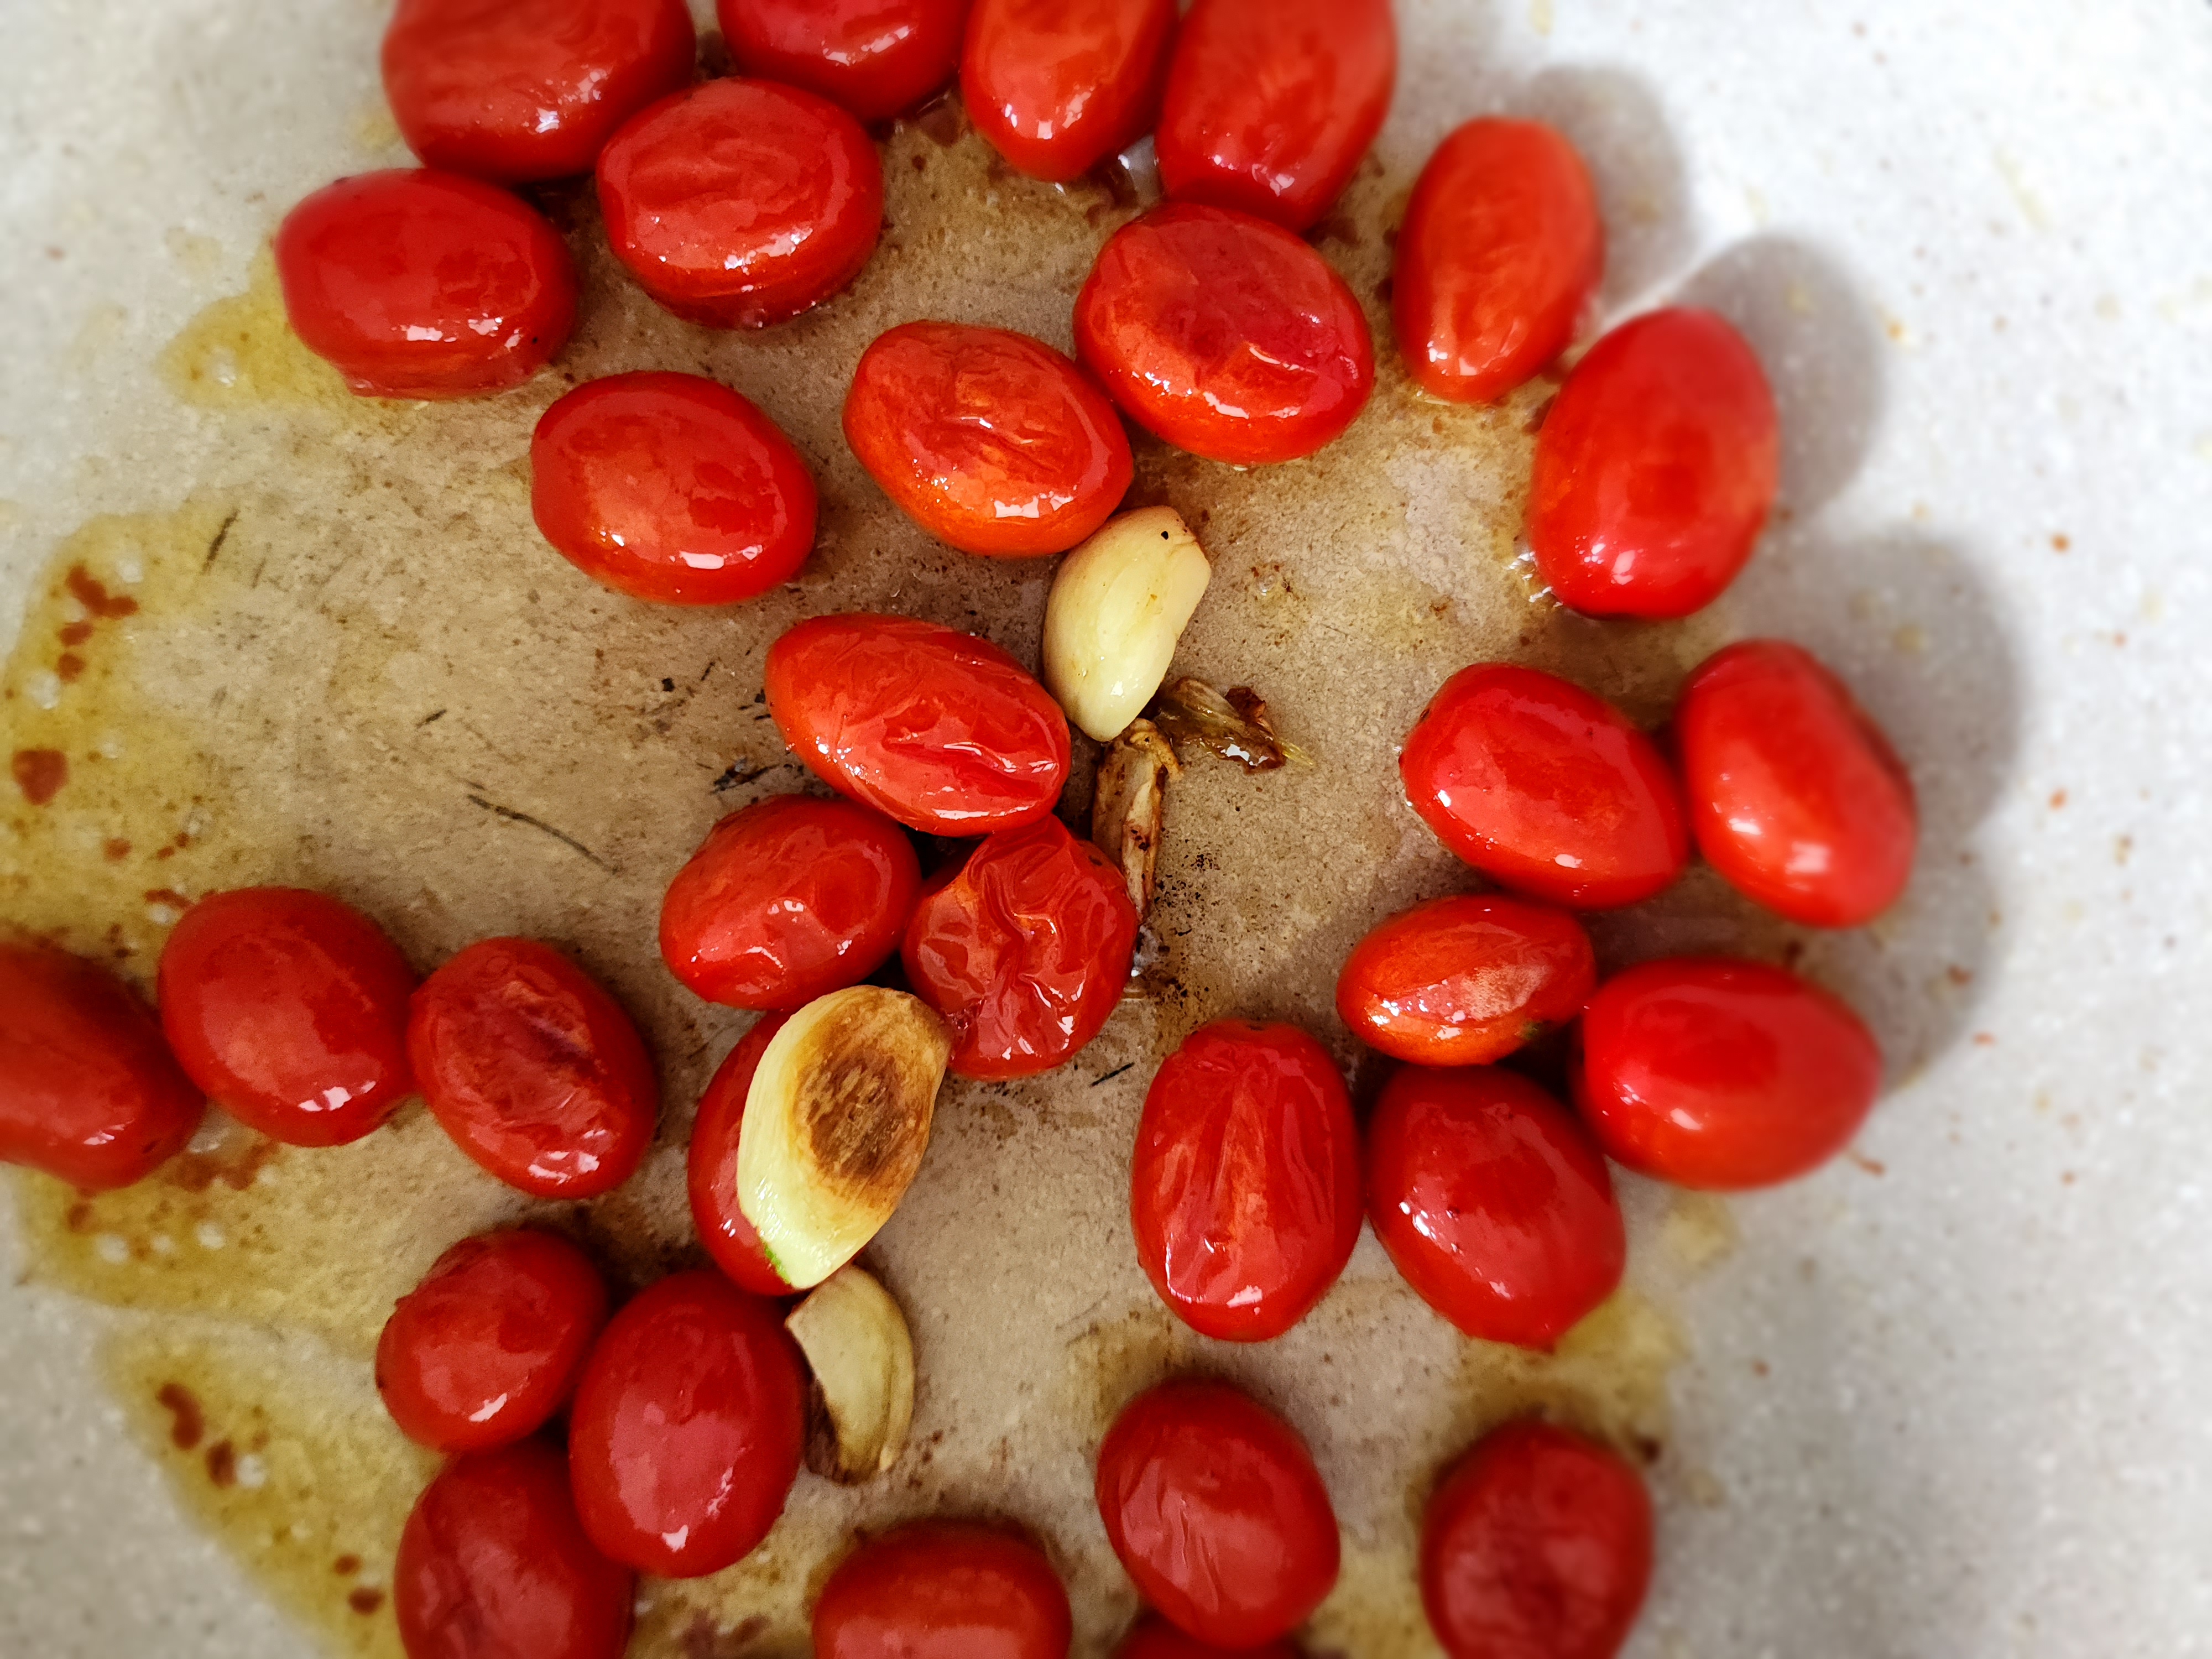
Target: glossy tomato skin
[289,1009]
[1713,1072]
[1655,469]
[1225,335]
[944,1589]
[740,203]
[418,283]
[939,730]
[1024,949]
[1215,1508]
[991,441]
[1545,788]
[1466,980]
[1795,795]
[1244,1190]
[1153,1637]
[1057,86]
[711,1167]
[1537,1546]
[876,57]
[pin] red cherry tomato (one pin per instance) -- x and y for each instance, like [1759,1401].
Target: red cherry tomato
[492,1565]
[1545,788]
[89,1091]
[944,1589]
[1225,335]
[670,488]
[1466,980]
[685,1435]
[1713,1072]
[486,1347]
[990,441]
[519,90]
[290,1010]
[1244,1191]
[425,284]
[877,57]
[1501,250]
[1024,949]
[942,731]
[739,204]
[1156,1638]
[1217,1512]
[1655,469]
[1057,86]
[712,1167]
[533,1069]
[1795,795]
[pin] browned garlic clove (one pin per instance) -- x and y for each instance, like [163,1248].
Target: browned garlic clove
[861,1405]
[1130,801]
[1234,724]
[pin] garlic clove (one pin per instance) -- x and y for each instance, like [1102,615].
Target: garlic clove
[1129,805]
[861,1405]
[1118,607]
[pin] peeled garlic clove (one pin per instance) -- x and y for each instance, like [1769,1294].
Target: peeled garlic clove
[1119,604]
[861,1406]
[1129,805]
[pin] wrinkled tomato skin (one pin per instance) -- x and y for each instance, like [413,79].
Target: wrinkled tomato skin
[1500,253]
[1537,1546]
[1796,796]
[741,203]
[991,441]
[1057,86]
[1713,1072]
[1225,335]
[1215,1509]
[1244,1190]
[289,1009]
[944,1589]
[940,730]
[89,1090]
[533,1069]
[1024,950]
[685,1435]
[1155,1638]
[418,283]
[1272,103]
[1655,469]
[1546,789]
[877,59]
[1466,980]
[711,1167]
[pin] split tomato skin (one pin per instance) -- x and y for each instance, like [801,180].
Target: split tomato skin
[1057,86]
[1466,980]
[711,1167]
[944,1589]
[877,59]
[1153,1637]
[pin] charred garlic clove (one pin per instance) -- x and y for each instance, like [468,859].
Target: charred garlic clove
[861,1405]
[1118,606]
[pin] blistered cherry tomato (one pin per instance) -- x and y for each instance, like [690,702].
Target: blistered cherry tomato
[492,1565]
[990,441]
[1501,250]
[1465,981]
[876,57]
[290,1010]
[1545,788]
[1024,949]
[944,1589]
[739,204]
[1655,469]
[671,488]
[1713,1073]
[1244,1191]
[940,730]
[425,284]
[711,1167]
[1214,1506]
[1156,1638]
[685,1435]
[1796,796]
[518,90]
[1225,335]
[1057,86]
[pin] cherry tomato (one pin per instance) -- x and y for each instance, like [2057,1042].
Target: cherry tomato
[1271,103]
[290,1010]
[990,441]
[739,204]
[685,1435]
[492,1565]
[1024,949]
[942,731]
[1465,981]
[1225,335]
[518,90]
[1501,250]
[1156,1638]
[711,1167]
[1217,1512]
[1713,1073]
[944,1589]
[1795,795]
[1537,1546]
[1655,469]
[1244,1191]
[1545,788]
[877,57]
[533,1069]
[89,1091]
[425,284]
[486,1347]
[1057,86]
[670,488]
